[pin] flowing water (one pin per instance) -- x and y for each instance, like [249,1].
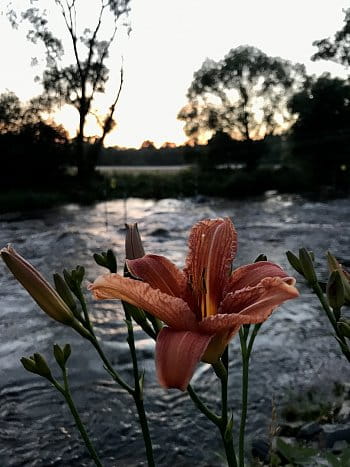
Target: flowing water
[293,350]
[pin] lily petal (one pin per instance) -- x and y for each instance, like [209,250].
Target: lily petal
[160,273]
[212,247]
[172,310]
[177,354]
[251,274]
[251,305]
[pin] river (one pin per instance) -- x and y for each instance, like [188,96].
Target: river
[293,351]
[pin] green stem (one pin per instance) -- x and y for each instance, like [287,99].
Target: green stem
[225,425]
[318,291]
[68,397]
[246,351]
[117,378]
[202,407]
[138,392]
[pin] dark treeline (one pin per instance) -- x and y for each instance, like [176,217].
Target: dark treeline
[258,122]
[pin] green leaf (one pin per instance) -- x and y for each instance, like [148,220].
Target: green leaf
[296,455]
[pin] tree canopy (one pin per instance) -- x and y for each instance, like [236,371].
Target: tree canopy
[245,95]
[76,83]
[323,105]
[336,49]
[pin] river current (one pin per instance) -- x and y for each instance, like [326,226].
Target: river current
[293,351]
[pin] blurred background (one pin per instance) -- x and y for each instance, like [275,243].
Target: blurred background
[132,98]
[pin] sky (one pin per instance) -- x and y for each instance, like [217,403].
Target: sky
[169,41]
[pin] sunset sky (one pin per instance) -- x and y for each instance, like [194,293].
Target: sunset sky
[168,43]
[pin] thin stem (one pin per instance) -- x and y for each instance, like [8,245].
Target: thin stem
[202,407]
[318,291]
[138,392]
[110,368]
[246,351]
[225,424]
[68,397]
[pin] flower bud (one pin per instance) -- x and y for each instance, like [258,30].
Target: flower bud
[29,364]
[335,291]
[106,260]
[37,364]
[64,291]
[306,262]
[42,367]
[133,244]
[35,284]
[294,262]
[61,355]
[334,265]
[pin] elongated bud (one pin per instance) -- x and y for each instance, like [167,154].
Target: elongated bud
[335,291]
[64,291]
[42,367]
[133,244]
[35,284]
[334,265]
[306,261]
[111,261]
[294,262]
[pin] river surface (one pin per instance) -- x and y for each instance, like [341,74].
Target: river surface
[293,351]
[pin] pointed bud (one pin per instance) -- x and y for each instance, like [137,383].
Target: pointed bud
[42,367]
[69,280]
[306,262]
[100,259]
[64,292]
[67,352]
[133,244]
[294,262]
[61,355]
[335,291]
[111,261]
[35,284]
[29,364]
[261,257]
[334,265]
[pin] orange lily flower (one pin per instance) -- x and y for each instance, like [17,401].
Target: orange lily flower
[204,305]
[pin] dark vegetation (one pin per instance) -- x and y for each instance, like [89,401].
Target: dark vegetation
[268,125]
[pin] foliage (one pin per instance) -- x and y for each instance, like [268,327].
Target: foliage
[320,137]
[244,95]
[338,48]
[77,83]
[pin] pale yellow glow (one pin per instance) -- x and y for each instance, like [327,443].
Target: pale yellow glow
[168,42]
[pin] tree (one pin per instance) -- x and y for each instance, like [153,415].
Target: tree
[34,152]
[338,48]
[323,105]
[244,95]
[78,83]
[320,137]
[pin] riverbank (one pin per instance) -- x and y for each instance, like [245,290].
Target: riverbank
[166,182]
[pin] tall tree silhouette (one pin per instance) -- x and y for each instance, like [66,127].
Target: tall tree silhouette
[244,95]
[76,84]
